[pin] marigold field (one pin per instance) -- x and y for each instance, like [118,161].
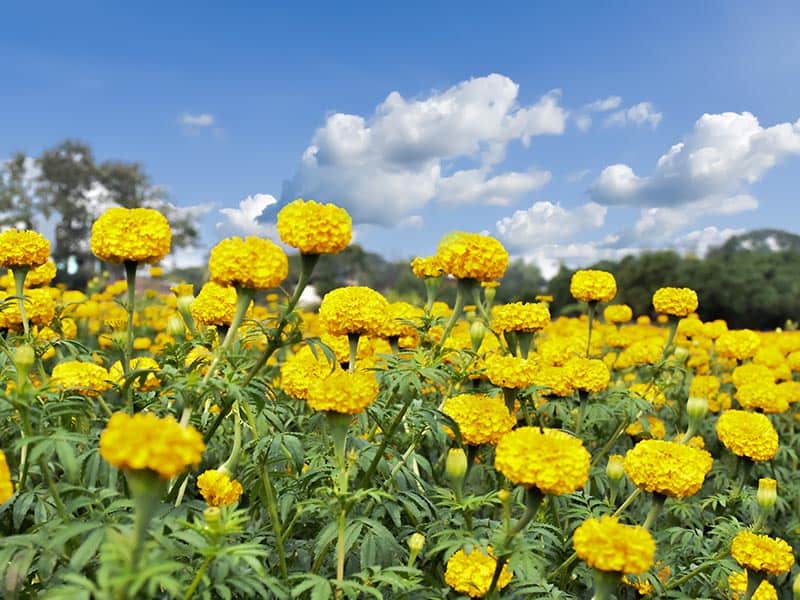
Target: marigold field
[224,443]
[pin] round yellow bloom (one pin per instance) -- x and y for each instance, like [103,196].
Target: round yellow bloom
[589,285]
[140,235]
[655,427]
[751,372]
[472,573]
[667,468]
[144,441]
[399,320]
[315,228]
[41,275]
[678,302]
[704,386]
[472,256]
[520,316]
[343,392]
[6,485]
[608,545]
[214,305]
[509,371]
[481,419]
[426,267]
[738,585]
[738,344]
[81,377]
[748,434]
[555,380]
[354,309]
[762,553]
[218,489]
[252,263]
[617,313]
[39,307]
[301,369]
[151,382]
[23,248]
[552,460]
[763,395]
[587,374]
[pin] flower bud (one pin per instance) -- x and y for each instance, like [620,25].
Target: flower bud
[696,407]
[489,293]
[615,468]
[24,357]
[175,326]
[477,330]
[680,353]
[504,495]
[796,587]
[456,465]
[416,542]
[767,494]
[212,515]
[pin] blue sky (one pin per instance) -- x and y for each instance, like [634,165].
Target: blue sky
[556,128]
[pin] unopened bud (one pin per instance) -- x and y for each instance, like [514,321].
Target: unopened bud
[697,407]
[477,330]
[504,495]
[796,588]
[416,543]
[212,515]
[767,494]
[680,353]
[184,302]
[24,357]
[615,469]
[175,326]
[489,293]
[456,465]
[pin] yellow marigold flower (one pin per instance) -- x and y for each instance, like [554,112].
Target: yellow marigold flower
[738,344]
[81,377]
[41,275]
[678,302]
[763,395]
[750,372]
[520,316]
[39,307]
[793,360]
[608,545]
[354,309]
[399,320]
[704,386]
[509,371]
[748,434]
[713,329]
[556,380]
[557,350]
[23,248]
[648,392]
[667,468]
[426,267]
[151,382]
[144,441]
[156,271]
[789,391]
[472,256]
[343,392]
[617,313]
[655,427]
[589,285]
[182,289]
[214,305]
[738,585]
[762,553]
[6,485]
[253,263]
[481,419]
[301,369]
[218,489]
[472,573]
[142,343]
[315,228]
[549,459]
[139,235]
[588,374]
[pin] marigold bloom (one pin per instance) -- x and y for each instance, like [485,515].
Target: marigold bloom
[399,320]
[704,386]
[655,427]
[39,307]
[751,372]
[301,369]
[218,489]
[472,573]
[6,485]
[762,553]
[314,228]
[667,468]
[555,380]
[763,395]
[738,344]
[214,305]
[151,382]
[551,460]
[41,275]
[481,419]
[23,248]
[426,267]
[617,313]
[252,263]
[509,371]
[589,285]
[588,374]
[354,309]
[748,434]
[472,256]
[144,441]
[520,316]
[343,392]
[608,545]
[82,377]
[140,235]
[738,585]
[678,302]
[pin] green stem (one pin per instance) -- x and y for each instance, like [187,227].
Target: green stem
[387,436]
[339,424]
[352,340]
[462,291]
[658,503]
[51,486]
[27,432]
[673,327]
[198,577]
[604,584]
[754,579]
[277,527]
[590,315]
[711,562]
[19,286]
[130,277]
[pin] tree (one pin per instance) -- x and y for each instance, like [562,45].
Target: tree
[18,202]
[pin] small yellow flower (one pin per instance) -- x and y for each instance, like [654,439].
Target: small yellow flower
[315,228]
[472,573]
[23,248]
[140,235]
[608,545]
[472,256]
[218,489]
[589,285]
[678,302]
[6,485]
[762,553]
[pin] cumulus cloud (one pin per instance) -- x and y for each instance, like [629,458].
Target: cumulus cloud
[548,223]
[720,158]
[643,113]
[604,104]
[245,220]
[199,120]
[660,223]
[700,241]
[395,162]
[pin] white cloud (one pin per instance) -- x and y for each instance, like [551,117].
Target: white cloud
[660,223]
[603,104]
[577,176]
[245,219]
[548,223]
[199,120]
[638,114]
[583,122]
[395,162]
[700,241]
[721,157]
[412,222]
[550,257]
